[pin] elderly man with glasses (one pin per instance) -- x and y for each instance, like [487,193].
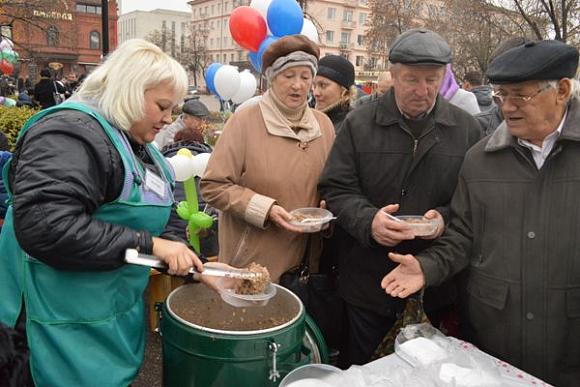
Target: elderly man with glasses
[515,220]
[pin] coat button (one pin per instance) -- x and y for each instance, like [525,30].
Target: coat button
[530,316]
[531,235]
[403,192]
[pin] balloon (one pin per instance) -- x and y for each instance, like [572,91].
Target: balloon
[6,45]
[247,87]
[227,82]
[10,56]
[9,102]
[248,27]
[285,17]
[183,167]
[200,163]
[6,67]
[262,7]
[256,61]
[309,30]
[210,76]
[263,46]
[249,102]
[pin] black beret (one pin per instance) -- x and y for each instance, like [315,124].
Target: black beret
[420,47]
[544,60]
[285,45]
[337,69]
[194,107]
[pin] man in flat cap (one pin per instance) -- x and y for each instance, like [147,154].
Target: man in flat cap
[193,117]
[515,220]
[399,154]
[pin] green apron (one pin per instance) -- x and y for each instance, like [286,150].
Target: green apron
[86,328]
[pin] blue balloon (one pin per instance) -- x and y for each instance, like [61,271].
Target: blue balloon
[210,75]
[285,17]
[256,61]
[263,46]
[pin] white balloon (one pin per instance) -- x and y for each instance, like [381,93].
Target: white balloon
[6,45]
[227,82]
[183,167]
[247,87]
[309,30]
[262,7]
[249,102]
[200,163]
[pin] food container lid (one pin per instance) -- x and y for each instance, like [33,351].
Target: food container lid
[226,289]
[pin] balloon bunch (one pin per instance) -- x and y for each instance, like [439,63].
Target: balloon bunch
[8,55]
[264,21]
[254,28]
[229,84]
[187,167]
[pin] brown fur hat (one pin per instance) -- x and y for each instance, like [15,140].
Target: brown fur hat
[286,45]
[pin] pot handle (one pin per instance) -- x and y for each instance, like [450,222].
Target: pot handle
[286,367]
[159,309]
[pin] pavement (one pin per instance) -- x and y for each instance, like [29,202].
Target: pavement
[211,102]
[151,372]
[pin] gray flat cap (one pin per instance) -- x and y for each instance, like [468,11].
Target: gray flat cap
[194,107]
[534,61]
[420,47]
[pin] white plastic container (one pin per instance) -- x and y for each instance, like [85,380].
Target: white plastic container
[420,226]
[310,219]
[226,289]
[319,375]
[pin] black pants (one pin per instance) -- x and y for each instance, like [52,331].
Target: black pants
[366,329]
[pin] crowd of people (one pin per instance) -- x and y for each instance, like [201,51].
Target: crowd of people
[490,159]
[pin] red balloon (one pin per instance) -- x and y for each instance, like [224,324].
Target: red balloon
[6,67]
[248,27]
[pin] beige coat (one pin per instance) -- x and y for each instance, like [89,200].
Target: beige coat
[254,166]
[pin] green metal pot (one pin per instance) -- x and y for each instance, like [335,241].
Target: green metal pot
[207,342]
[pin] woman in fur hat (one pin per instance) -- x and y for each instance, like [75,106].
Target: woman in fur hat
[267,162]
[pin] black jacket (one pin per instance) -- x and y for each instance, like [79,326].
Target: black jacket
[337,115]
[62,171]
[373,164]
[43,92]
[490,119]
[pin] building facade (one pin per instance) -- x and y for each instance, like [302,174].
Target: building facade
[171,28]
[340,25]
[62,35]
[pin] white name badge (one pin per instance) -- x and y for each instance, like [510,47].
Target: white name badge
[155,183]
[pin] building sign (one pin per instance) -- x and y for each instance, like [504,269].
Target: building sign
[53,15]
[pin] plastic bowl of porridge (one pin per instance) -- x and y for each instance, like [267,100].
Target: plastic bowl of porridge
[420,226]
[310,219]
[227,290]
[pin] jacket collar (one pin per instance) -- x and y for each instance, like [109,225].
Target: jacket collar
[502,138]
[387,112]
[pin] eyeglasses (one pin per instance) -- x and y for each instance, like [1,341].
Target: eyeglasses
[518,99]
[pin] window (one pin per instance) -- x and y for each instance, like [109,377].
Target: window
[226,6]
[163,25]
[220,8]
[329,36]
[225,58]
[219,25]
[362,18]
[212,8]
[347,16]
[89,8]
[331,13]
[211,42]
[345,38]
[360,40]
[225,41]
[359,60]
[95,40]
[232,57]
[193,12]
[52,36]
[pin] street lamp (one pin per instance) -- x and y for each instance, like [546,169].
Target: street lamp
[105,25]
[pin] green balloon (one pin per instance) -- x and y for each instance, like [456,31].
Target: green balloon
[10,56]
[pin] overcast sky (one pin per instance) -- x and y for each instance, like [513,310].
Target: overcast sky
[149,5]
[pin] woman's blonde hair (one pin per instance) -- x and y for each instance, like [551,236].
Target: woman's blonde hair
[348,96]
[118,85]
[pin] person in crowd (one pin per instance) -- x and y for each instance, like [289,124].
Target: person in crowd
[490,119]
[397,155]
[192,139]
[24,99]
[45,89]
[452,92]
[384,83]
[267,162]
[473,82]
[72,80]
[514,220]
[193,117]
[87,185]
[334,89]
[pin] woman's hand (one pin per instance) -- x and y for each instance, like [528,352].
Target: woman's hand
[281,218]
[178,256]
